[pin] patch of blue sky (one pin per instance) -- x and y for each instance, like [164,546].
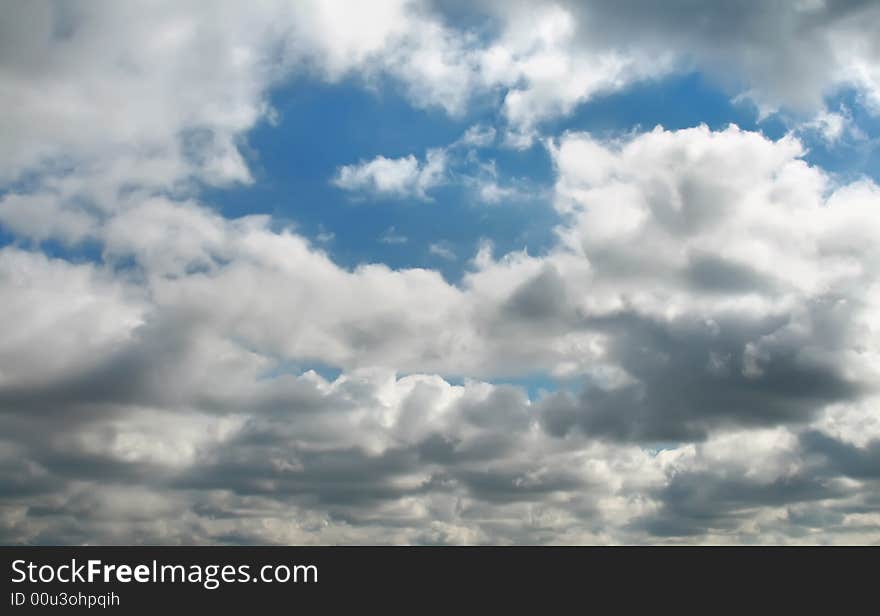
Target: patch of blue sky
[535,385]
[85,251]
[322,127]
[657,447]
[856,154]
[285,367]
[6,236]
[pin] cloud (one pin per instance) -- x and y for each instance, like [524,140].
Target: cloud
[442,250]
[458,162]
[392,237]
[455,163]
[669,224]
[394,177]
[325,236]
[79,73]
[829,125]
[834,128]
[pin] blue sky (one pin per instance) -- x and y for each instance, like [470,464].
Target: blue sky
[321,127]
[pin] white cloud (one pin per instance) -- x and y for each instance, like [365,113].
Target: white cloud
[442,250]
[395,177]
[830,125]
[325,236]
[835,128]
[77,75]
[391,236]
[58,314]
[477,136]
[455,163]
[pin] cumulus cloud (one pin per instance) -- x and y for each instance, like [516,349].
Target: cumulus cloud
[77,74]
[457,162]
[392,237]
[394,177]
[442,250]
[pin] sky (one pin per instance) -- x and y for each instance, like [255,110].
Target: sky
[440,272]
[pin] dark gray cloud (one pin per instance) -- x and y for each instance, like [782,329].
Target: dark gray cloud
[843,458]
[696,504]
[714,274]
[539,300]
[687,379]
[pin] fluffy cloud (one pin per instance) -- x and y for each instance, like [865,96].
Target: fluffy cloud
[76,74]
[395,177]
[720,270]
